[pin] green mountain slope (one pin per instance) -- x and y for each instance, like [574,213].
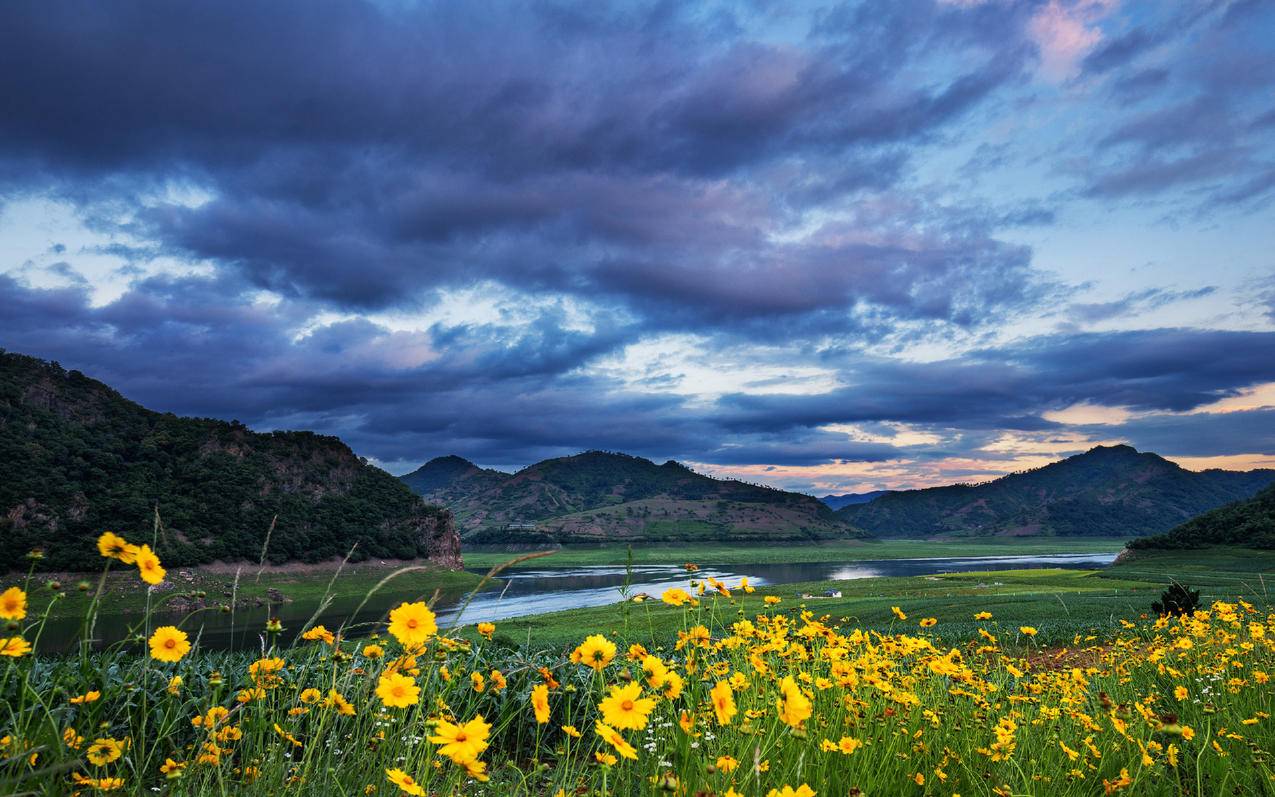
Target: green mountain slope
[1248,523]
[1107,491]
[77,458]
[598,496]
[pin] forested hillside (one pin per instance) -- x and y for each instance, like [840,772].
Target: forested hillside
[77,458]
[1248,523]
[1107,491]
[602,496]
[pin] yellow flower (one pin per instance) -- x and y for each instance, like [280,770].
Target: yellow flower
[1027,630]
[397,690]
[723,702]
[285,735]
[104,751]
[928,622]
[605,759]
[477,681]
[113,546]
[169,643]
[14,646]
[486,629]
[310,695]
[476,769]
[373,651]
[655,671]
[672,685]
[172,769]
[498,681]
[675,596]
[571,731]
[540,702]
[983,616]
[336,700]
[319,633]
[848,745]
[613,737]
[727,764]
[148,566]
[405,782]
[174,685]
[87,697]
[625,708]
[461,743]
[412,624]
[788,791]
[794,707]
[265,672]
[771,600]
[918,779]
[1180,692]
[898,613]
[13,604]
[1188,732]
[595,651]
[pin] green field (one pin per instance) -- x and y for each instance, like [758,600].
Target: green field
[1060,603]
[848,550]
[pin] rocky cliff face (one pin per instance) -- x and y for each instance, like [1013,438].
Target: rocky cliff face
[436,536]
[77,458]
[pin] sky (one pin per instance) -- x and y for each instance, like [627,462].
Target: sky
[831,247]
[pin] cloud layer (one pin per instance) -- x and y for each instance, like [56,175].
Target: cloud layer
[437,228]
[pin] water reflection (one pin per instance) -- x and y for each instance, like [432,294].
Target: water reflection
[525,592]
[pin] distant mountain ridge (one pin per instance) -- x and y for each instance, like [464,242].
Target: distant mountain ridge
[1106,491]
[602,496]
[847,499]
[77,458]
[1249,523]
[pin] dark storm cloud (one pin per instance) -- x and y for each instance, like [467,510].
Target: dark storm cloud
[509,396]
[1199,434]
[745,172]
[363,155]
[1011,387]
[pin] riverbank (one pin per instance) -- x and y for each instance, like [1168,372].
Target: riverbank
[845,550]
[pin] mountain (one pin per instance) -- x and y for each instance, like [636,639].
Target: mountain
[1249,523]
[1107,491]
[600,496]
[846,499]
[77,458]
[447,480]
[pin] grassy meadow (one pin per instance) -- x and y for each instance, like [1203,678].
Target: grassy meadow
[1006,683]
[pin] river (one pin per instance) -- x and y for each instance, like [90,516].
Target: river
[540,590]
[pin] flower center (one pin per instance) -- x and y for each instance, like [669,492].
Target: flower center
[411,623]
[170,643]
[627,705]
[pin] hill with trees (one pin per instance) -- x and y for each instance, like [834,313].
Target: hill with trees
[77,458]
[1107,491]
[1250,524]
[602,496]
[846,499]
